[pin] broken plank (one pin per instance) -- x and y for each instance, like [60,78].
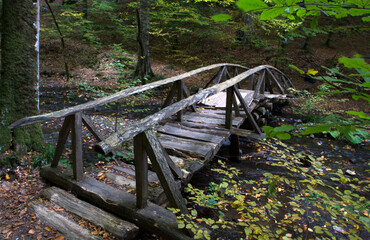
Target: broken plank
[66,226]
[118,227]
[192,147]
[189,134]
[153,218]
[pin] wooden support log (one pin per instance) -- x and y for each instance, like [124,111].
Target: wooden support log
[141,171]
[259,84]
[62,139]
[159,162]
[235,148]
[187,94]
[77,161]
[118,227]
[153,218]
[229,104]
[170,96]
[247,111]
[282,90]
[180,96]
[63,224]
[128,132]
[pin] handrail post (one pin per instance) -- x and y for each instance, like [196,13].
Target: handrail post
[141,171]
[77,146]
[229,105]
[180,96]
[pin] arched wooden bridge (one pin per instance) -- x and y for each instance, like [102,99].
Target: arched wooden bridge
[178,139]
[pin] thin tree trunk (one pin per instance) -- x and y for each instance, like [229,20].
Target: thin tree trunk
[61,40]
[18,83]
[143,67]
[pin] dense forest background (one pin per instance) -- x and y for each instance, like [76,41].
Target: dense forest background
[89,49]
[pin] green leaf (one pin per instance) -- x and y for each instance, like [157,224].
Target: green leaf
[316,129]
[354,63]
[272,13]
[284,128]
[221,17]
[296,68]
[267,129]
[366,19]
[301,12]
[358,12]
[194,213]
[360,114]
[181,225]
[251,5]
[283,136]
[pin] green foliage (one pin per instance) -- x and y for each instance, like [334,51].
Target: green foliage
[298,203]
[45,156]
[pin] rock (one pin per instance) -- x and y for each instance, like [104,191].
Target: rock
[351,173]
[338,229]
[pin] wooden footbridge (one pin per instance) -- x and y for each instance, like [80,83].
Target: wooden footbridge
[178,139]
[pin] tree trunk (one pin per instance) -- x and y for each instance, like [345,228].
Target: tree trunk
[143,67]
[18,83]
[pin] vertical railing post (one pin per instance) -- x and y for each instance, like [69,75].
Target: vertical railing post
[141,171]
[180,96]
[229,105]
[77,146]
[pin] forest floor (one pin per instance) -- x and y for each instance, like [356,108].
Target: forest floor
[21,184]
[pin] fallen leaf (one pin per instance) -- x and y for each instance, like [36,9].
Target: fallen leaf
[59,237]
[31,231]
[48,229]
[7,176]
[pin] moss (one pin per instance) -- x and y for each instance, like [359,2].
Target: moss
[18,75]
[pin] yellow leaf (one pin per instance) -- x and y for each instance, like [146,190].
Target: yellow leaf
[60,237]
[7,176]
[312,72]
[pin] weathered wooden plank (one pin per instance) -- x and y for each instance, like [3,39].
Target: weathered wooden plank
[130,170]
[216,129]
[62,139]
[77,161]
[63,224]
[141,171]
[192,147]
[161,167]
[183,132]
[237,121]
[153,218]
[219,100]
[114,97]
[118,227]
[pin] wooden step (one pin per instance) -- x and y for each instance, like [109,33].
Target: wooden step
[118,227]
[153,218]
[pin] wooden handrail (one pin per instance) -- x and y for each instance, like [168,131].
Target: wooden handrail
[114,97]
[128,132]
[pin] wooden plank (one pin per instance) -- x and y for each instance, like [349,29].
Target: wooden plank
[77,161]
[130,170]
[219,100]
[141,171]
[118,227]
[179,131]
[194,148]
[65,225]
[153,218]
[160,165]
[237,121]
[90,126]
[62,139]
